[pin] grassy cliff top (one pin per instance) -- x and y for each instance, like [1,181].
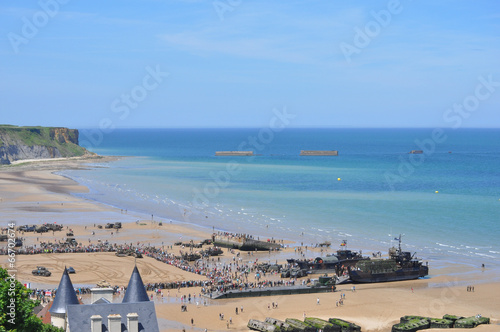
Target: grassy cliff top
[64,139]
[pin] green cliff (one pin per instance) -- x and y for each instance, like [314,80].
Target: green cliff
[21,143]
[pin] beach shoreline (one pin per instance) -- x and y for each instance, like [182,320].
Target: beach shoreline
[30,193]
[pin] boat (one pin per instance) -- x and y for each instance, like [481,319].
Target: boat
[319,153]
[234,153]
[401,265]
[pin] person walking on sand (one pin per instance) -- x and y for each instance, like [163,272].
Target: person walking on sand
[317,301]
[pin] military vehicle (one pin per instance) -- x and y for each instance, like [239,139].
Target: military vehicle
[54,227]
[31,228]
[190,257]
[212,251]
[27,228]
[42,229]
[128,252]
[103,284]
[268,267]
[41,271]
[121,253]
[189,244]
[329,263]
[293,272]
[71,241]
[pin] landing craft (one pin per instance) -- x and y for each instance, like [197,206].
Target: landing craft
[401,265]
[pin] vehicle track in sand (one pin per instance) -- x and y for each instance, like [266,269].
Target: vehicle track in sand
[93,267]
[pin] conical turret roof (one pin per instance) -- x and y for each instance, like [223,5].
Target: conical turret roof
[65,295]
[135,290]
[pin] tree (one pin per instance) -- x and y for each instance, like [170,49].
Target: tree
[16,307]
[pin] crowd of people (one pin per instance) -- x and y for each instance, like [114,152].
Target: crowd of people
[65,247]
[221,275]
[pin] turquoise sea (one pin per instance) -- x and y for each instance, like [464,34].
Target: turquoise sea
[445,201]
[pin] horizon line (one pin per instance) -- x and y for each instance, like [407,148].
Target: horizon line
[294,127]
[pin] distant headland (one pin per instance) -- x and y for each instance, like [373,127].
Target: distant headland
[26,143]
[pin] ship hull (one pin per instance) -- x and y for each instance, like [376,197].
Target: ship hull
[398,275]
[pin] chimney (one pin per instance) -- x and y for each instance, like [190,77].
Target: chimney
[97,293]
[95,323]
[133,322]
[115,323]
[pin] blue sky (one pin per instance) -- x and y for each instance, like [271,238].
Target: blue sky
[229,63]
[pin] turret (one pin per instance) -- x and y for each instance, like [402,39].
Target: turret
[65,295]
[135,290]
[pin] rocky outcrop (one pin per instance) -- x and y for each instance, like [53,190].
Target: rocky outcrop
[11,153]
[64,135]
[21,143]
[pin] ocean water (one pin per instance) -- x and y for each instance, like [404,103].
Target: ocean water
[445,201]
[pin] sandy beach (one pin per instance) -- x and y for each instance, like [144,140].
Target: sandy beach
[31,194]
